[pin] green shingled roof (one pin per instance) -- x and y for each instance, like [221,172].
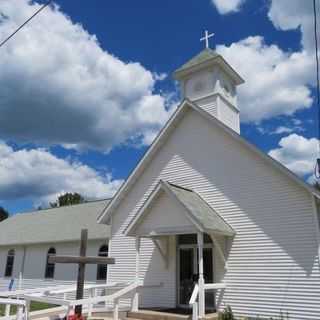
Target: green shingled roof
[202,215]
[201,211]
[203,56]
[54,225]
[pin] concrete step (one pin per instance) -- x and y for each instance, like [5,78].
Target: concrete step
[211,316]
[156,315]
[151,315]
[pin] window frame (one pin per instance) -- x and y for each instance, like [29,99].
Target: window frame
[8,272]
[50,267]
[102,269]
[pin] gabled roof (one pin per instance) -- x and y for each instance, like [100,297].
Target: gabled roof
[203,216]
[164,134]
[61,224]
[203,56]
[207,57]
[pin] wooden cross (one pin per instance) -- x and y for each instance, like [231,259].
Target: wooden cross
[81,260]
[206,38]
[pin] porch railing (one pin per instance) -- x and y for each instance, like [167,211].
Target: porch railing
[195,298]
[59,296]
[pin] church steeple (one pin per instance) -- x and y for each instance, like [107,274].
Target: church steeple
[209,81]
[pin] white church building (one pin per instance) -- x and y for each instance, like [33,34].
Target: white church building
[27,239]
[207,213]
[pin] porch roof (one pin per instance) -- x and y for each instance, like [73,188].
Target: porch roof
[197,210]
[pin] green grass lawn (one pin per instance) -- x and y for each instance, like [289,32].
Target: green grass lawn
[35,306]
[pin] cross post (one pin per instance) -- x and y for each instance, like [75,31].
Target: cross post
[206,38]
[82,260]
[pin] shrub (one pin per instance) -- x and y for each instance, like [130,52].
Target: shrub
[226,314]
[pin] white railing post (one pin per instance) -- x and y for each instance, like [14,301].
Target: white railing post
[195,311]
[8,308]
[135,299]
[201,278]
[193,302]
[91,295]
[116,310]
[27,310]
[19,313]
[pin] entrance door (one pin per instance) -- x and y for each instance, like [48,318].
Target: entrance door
[188,273]
[208,276]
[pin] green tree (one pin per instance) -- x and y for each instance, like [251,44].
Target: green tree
[67,199]
[4,214]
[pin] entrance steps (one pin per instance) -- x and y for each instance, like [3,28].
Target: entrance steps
[153,315]
[156,315]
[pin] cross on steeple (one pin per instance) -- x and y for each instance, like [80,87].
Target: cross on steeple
[206,38]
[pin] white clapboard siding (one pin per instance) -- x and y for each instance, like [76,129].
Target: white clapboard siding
[35,258]
[209,104]
[273,260]
[228,114]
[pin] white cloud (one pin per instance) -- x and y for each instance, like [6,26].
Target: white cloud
[38,175]
[227,6]
[293,14]
[58,86]
[297,153]
[282,130]
[277,82]
[284,14]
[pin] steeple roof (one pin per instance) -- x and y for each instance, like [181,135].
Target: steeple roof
[205,58]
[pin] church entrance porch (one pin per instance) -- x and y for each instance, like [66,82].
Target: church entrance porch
[172,211]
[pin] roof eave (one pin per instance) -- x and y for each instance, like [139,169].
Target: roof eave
[180,74]
[106,214]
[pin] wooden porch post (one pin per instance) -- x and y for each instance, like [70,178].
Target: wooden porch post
[135,300]
[201,278]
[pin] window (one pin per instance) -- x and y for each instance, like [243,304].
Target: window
[102,268]
[192,239]
[10,262]
[49,273]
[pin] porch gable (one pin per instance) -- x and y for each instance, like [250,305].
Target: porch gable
[171,209]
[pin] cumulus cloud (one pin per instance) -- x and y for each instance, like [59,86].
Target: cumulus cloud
[38,174]
[293,14]
[277,82]
[58,86]
[284,14]
[297,153]
[227,6]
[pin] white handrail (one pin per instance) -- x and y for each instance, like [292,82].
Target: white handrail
[194,295]
[109,298]
[90,286]
[15,302]
[210,286]
[48,296]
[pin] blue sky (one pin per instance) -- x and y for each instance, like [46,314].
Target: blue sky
[79,113]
